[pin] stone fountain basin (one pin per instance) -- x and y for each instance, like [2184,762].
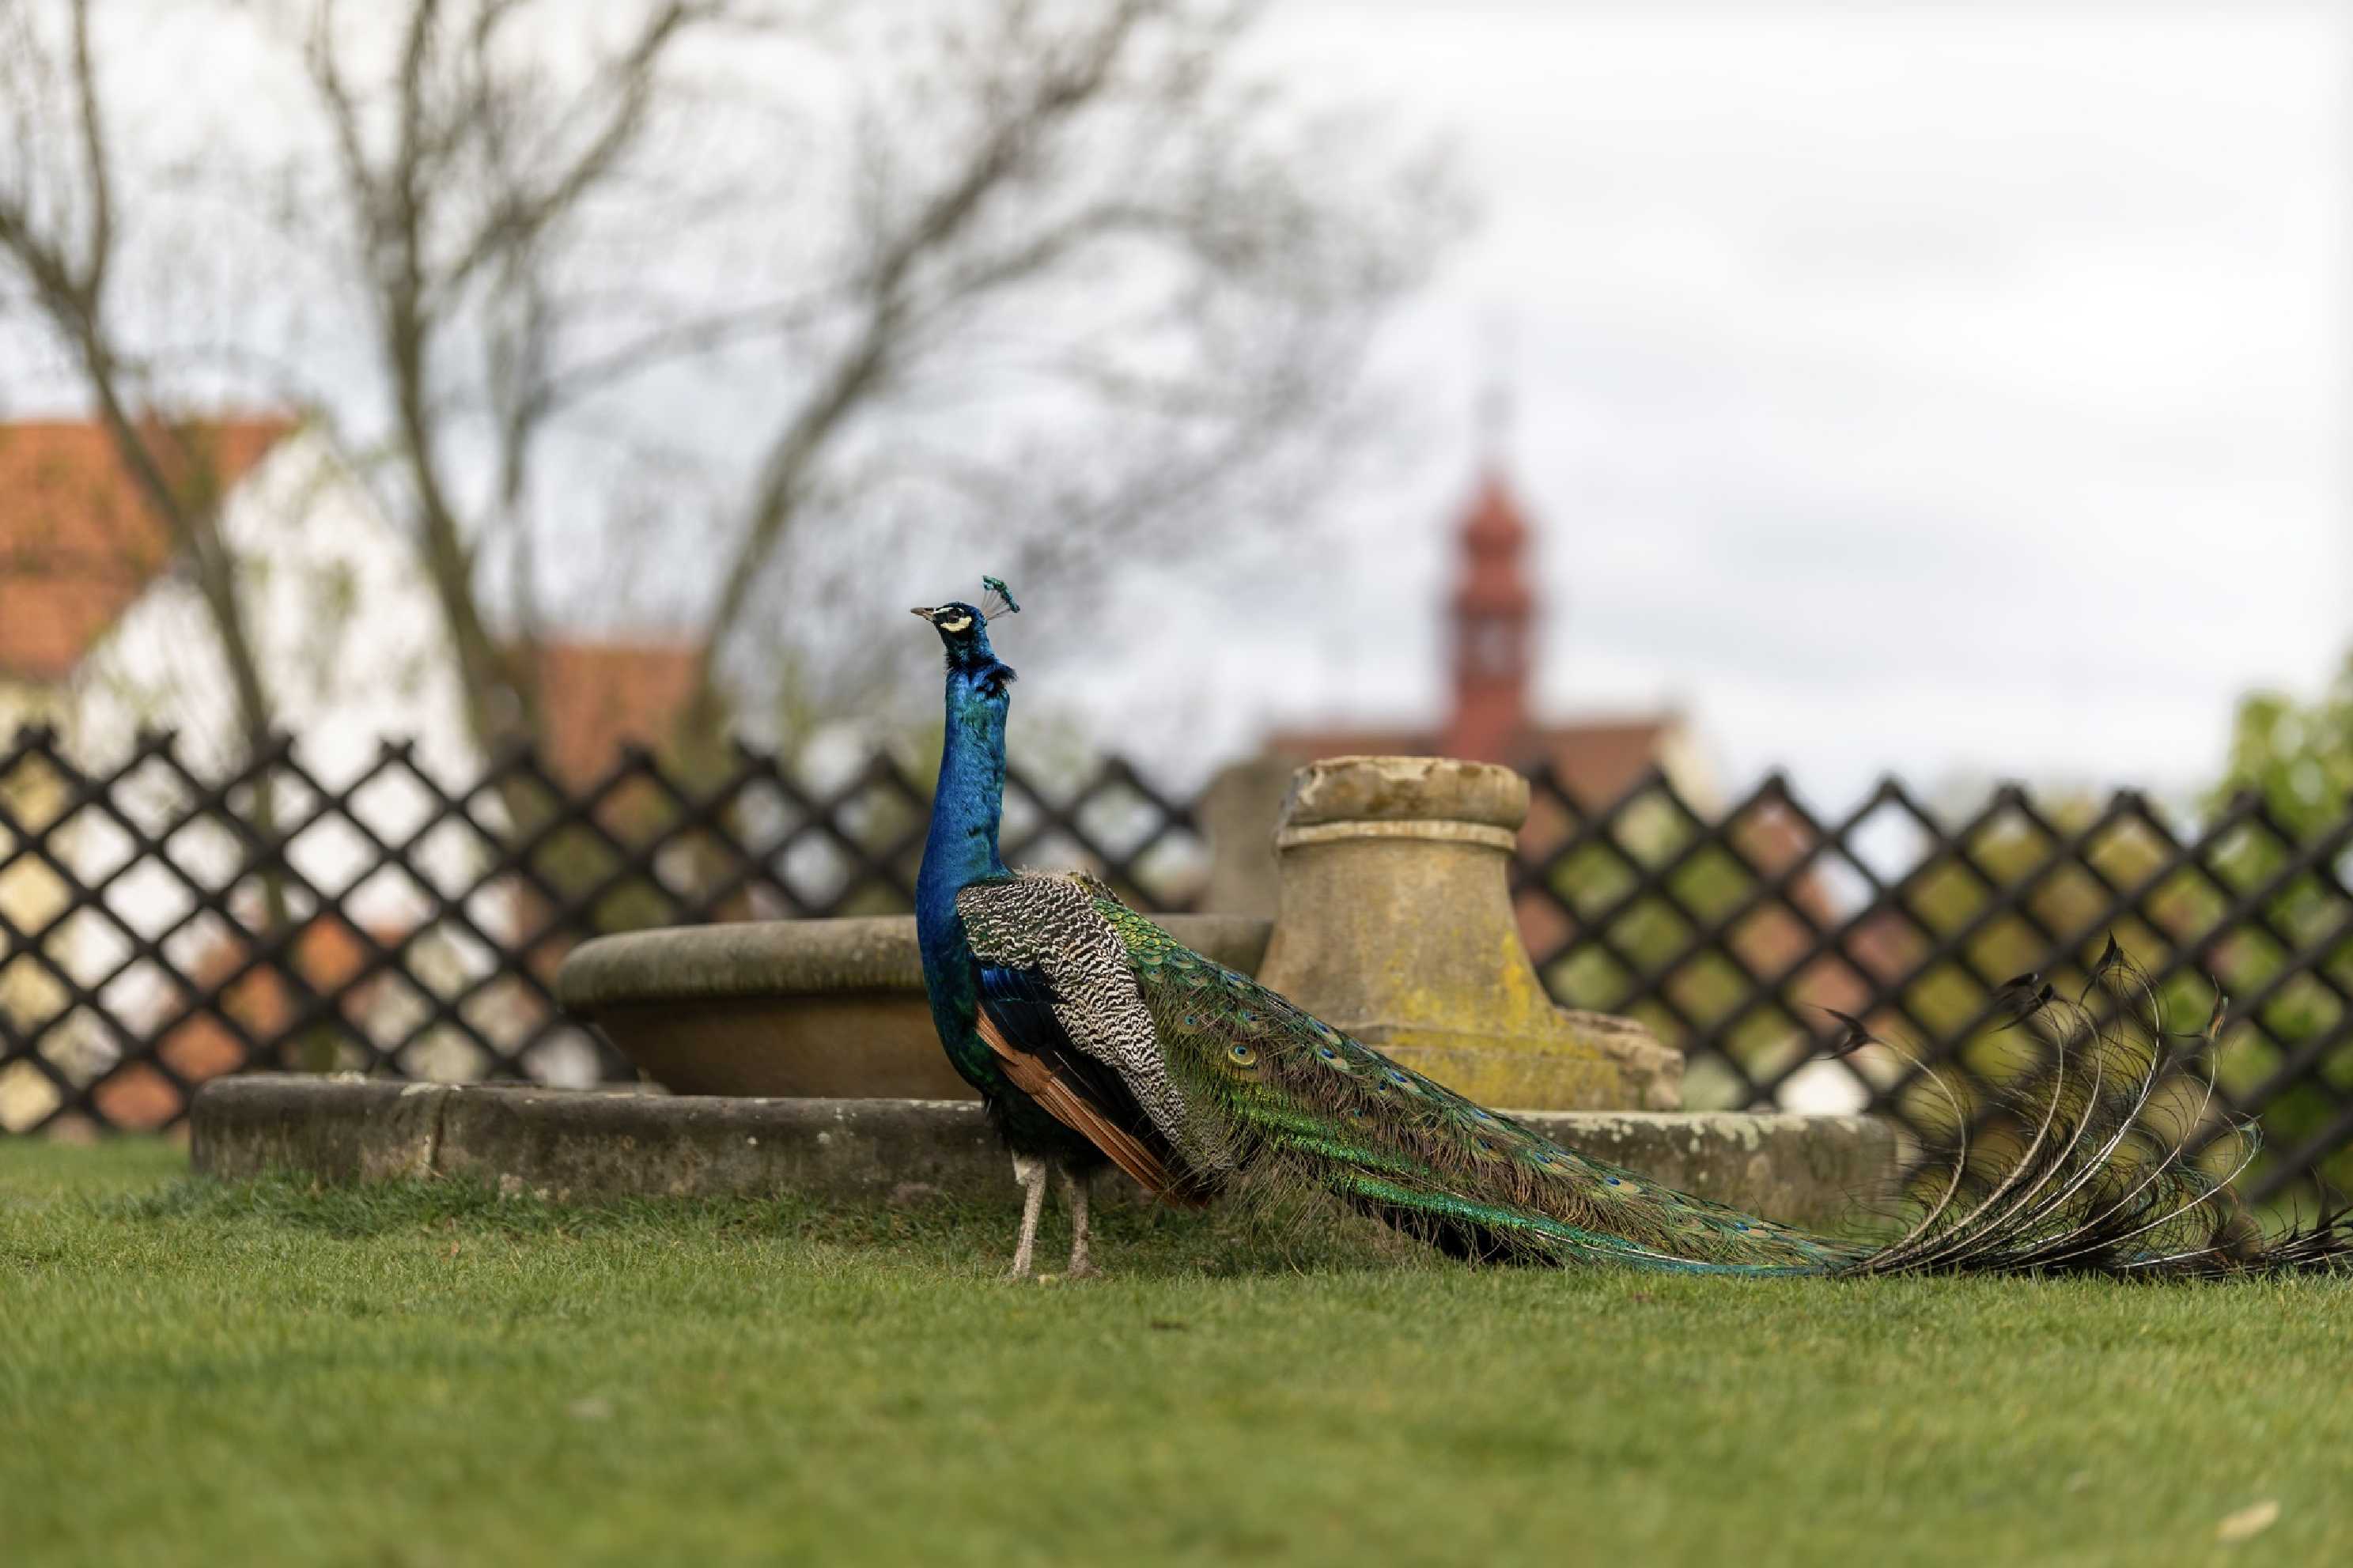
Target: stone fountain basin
[592,1145]
[820,1009]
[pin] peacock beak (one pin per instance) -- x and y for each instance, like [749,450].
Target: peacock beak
[923,610]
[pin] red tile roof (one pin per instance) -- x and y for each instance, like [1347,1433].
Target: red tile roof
[597,697]
[77,542]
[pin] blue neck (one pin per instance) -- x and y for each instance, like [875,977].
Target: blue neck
[970,799]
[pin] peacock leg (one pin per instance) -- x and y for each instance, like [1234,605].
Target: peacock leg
[1031,1172]
[1074,1198]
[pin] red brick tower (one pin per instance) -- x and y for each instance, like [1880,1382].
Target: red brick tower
[1494,630]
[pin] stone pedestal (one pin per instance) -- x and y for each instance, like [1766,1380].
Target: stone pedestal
[1395,923]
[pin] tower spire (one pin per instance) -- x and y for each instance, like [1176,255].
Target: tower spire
[1494,608]
[1494,628]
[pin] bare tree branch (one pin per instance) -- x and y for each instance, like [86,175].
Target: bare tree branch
[1022,122]
[451,221]
[95,162]
[175,472]
[1097,149]
[525,212]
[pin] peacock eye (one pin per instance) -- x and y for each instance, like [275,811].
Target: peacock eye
[955,624]
[1243,1055]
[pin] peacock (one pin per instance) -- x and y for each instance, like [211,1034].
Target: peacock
[1095,1038]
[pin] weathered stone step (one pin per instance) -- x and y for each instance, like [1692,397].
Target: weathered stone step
[581,1145]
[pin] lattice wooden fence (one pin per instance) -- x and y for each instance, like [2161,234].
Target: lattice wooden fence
[161,926]
[1732,933]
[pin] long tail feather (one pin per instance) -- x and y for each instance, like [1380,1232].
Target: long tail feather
[2120,1176]
[2101,1153]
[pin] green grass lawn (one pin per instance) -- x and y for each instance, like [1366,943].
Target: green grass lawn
[271,1373]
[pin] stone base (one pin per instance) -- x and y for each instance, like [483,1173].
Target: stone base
[577,1145]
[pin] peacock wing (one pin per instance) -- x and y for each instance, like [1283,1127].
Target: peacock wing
[1034,998]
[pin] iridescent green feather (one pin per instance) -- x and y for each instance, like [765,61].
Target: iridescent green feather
[1277,1093]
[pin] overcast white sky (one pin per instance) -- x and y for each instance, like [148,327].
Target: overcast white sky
[1954,388]
[1942,387]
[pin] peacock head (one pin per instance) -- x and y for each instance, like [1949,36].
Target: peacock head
[963,628]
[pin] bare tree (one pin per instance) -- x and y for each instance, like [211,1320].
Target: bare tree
[1061,268]
[60,236]
[462,165]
